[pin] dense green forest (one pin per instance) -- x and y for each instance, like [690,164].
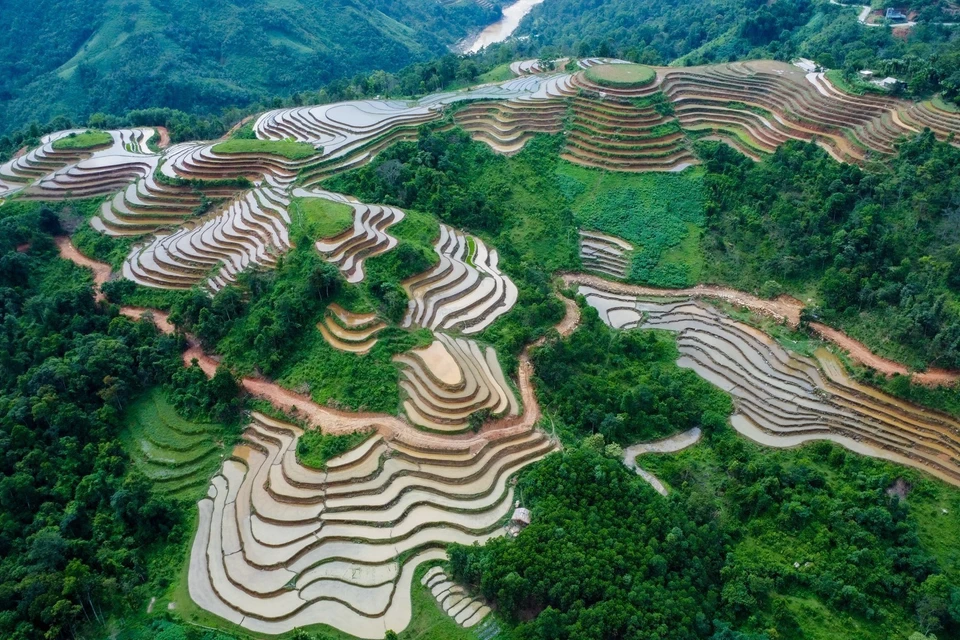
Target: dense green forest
[878,247]
[76,525]
[77,57]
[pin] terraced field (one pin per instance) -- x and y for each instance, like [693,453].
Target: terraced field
[50,173]
[466,610]
[451,380]
[251,230]
[348,331]
[464,291]
[753,106]
[366,238]
[760,104]
[281,546]
[179,456]
[605,254]
[783,399]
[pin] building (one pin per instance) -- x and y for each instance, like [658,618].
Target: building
[895,15]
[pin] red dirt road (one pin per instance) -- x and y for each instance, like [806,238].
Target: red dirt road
[101,271]
[164,137]
[859,352]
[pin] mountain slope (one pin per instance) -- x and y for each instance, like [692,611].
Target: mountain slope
[75,57]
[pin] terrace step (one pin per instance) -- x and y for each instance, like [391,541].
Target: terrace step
[272,556]
[783,398]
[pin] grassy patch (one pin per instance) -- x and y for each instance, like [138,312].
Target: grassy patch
[855,87]
[661,214]
[315,449]
[500,73]
[819,622]
[85,140]
[621,75]
[341,379]
[945,105]
[179,456]
[319,217]
[289,149]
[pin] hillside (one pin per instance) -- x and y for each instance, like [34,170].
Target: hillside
[926,57]
[578,350]
[77,57]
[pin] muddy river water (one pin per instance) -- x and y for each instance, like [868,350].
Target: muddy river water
[504,27]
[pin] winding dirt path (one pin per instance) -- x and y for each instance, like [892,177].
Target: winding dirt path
[327,419]
[101,270]
[783,309]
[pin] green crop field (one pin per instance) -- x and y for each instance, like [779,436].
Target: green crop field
[621,75]
[85,140]
[177,455]
[320,218]
[289,149]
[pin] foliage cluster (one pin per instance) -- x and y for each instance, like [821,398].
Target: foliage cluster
[879,246]
[622,384]
[604,557]
[85,140]
[315,448]
[75,525]
[819,524]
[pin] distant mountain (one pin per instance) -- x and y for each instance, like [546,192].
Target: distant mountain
[76,57]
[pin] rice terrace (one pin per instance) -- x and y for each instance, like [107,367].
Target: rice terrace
[580,347]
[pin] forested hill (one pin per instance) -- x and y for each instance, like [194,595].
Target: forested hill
[77,57]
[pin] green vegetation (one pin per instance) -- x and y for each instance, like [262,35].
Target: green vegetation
[659,213]
[177,455]
[319,218]
[499,73]
[876,572]
[875,244]
[290,149]
[624,385]
[85,140]
[621,76]
[77,57]
[605,557]
[315,448]
[79,522]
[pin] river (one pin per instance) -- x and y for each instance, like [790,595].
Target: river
[504,27]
